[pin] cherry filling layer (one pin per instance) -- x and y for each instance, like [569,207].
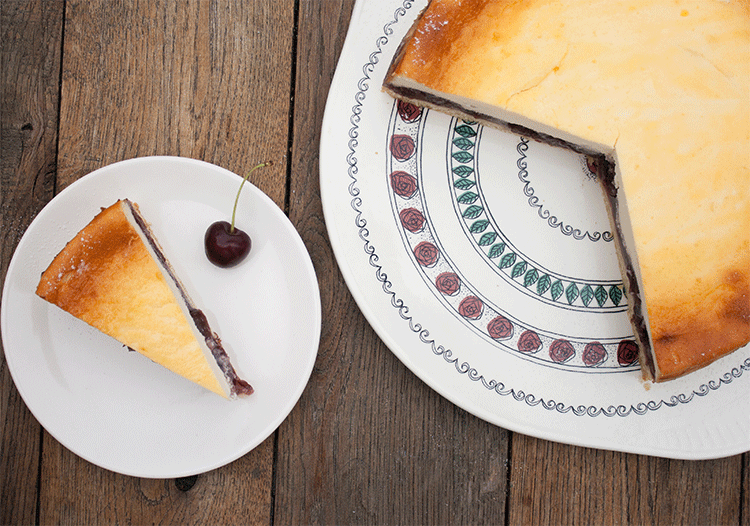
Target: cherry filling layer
[237,385]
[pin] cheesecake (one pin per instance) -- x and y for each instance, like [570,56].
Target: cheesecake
[115,276]
[659,91]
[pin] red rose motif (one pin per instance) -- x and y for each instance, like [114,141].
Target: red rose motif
[411,219]
[402,147]
[529,342]
[403,184]
[426,253]
[471,307]
[500,328]
[561,351]
[448,283]
[593,354]
[409,112]
[627,352]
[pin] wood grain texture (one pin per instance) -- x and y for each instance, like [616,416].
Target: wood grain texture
[368,442]
[553,483]
[76,492]
[203,79]
[30,40]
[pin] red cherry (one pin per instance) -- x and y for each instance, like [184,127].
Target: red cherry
[225,244]
[226,248]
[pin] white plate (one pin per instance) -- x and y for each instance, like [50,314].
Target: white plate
[464,244]
[116,408]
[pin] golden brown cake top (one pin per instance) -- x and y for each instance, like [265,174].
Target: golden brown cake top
[76,276]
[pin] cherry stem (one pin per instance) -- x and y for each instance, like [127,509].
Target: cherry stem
[236,199]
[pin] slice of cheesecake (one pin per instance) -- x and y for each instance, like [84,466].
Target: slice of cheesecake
[114,276]
[660,91]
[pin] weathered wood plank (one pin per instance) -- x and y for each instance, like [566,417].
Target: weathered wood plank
[30,40]
[368,442]
[74,491]
[202,79]
[554,483]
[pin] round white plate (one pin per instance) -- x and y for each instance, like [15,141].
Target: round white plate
[486,263]
[118,409]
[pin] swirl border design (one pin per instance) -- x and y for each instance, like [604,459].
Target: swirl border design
[553,221]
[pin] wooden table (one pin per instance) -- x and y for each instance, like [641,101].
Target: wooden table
[89,82]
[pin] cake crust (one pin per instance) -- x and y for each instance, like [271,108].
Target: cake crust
[660,89]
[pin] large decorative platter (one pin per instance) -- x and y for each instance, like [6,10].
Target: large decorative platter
[486,263]
[116,408]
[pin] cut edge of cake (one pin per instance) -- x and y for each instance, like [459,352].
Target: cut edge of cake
[215,354]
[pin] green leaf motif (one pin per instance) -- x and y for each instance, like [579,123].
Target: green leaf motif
[463,143]
[463,171]
[530,278]
[518,269]
[571,293]
[600,293]
[467,198]
[479,226]
[466,131]
[473,212]
[587,294]
[496,250]
[557,289]
[543,284]
[463,157]
[507,260]
[463,184]
[487,239]
[615,294]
